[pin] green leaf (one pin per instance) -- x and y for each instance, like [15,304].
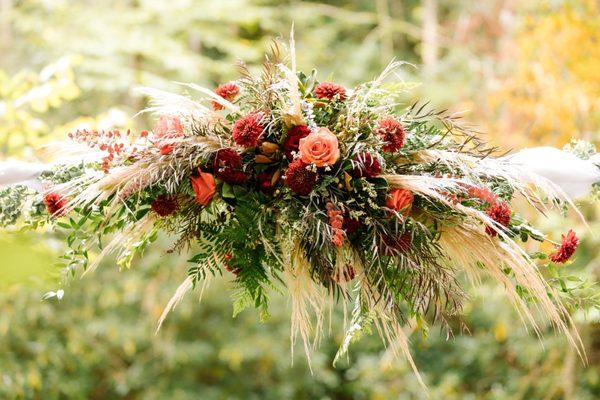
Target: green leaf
[227,192]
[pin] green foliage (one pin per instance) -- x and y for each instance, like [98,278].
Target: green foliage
[98,342]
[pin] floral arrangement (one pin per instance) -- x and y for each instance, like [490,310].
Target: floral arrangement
[308,188]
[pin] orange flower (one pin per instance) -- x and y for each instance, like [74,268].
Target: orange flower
[400,200]
[204,186]
[336,220]
[320,148]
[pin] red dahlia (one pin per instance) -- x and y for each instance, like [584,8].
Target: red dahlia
[366,166]
[329,90]
[55,204]
[567,248]
[227,166]
[392,133]
[247,130]
[299,179]
[228,91]
[164,205]
[292,141]
[499,212]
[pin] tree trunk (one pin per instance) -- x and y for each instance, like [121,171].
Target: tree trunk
[429,37]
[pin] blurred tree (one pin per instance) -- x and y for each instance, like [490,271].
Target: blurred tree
[551,88]
[25,97]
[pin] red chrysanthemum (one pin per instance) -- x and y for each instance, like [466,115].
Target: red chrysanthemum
[292,141]
[55,204]
[366,166]
[227,167]
[299,179]
[567,248]
[329,90]
[164,205]
[392,133]
[499,212]
[247,130]
[228,91]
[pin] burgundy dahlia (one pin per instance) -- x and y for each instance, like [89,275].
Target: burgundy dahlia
[292,141]
[329,90]
[567,248]
[227,167]
[55,204]
[247,130]
[228,91]
[366,165]
[499,212]
[392,133]
[299,179]
[164,205]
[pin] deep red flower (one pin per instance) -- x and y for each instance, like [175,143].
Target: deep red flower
[299,179]
[499,212]
[228,91]
[366,166]
[265,181]
[392,133]
[351,225]
[247,130]
[227,166]
[55,204]
[329,90]
[165,205]
[292,141]
[567,248]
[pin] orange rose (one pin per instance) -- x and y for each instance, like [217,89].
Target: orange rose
[400,200]
[320,148]
[204,186]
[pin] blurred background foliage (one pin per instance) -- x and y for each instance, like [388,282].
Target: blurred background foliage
[527,71]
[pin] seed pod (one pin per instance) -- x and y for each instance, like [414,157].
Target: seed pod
[268,148]
[262,159]
[275,177]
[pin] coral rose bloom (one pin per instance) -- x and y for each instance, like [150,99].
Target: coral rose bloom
[204,186]
[320,148]
[400,200]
